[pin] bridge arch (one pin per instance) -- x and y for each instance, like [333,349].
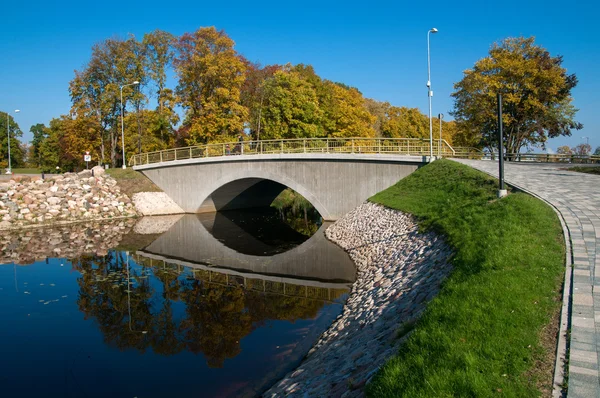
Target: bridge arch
[242,180]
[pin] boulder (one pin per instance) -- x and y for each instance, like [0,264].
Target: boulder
[98,171]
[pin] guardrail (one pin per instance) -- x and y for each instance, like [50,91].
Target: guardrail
[398,146]
[546,158]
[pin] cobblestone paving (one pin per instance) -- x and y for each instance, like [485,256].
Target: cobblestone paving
[577,197]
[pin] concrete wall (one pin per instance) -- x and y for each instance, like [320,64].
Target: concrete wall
[333,183]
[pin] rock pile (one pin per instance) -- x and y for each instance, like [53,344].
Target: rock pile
[66,197]
[399,271]
[69,241]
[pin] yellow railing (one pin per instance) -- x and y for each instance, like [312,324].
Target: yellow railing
[398,146]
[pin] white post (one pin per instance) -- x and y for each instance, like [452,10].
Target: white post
[430,94]
[123,124]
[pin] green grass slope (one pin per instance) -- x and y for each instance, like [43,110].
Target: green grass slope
[492,329]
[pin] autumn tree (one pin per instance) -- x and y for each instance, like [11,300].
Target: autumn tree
[95,90]
[564,150]
[345,113]
[210,76]
[582,149]
[536,92]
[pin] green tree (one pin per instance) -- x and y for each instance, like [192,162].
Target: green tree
[17,156]
[536,93]
[291,107]
[159,53]
[210,74]
[597,151]
[253,94]
[40,133]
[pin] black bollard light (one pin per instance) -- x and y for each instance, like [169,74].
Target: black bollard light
[502,192]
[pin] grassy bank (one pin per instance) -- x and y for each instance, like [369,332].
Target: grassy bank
[492,329]
[589,170]
[131,181]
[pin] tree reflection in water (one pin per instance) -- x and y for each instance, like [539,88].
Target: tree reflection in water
[135,302]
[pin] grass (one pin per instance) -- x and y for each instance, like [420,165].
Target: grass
[492,329]
[131,181]
[589,170]
[26,170]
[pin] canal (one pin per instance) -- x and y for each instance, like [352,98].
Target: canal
[216,305]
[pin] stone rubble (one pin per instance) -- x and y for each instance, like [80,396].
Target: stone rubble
[26,201]
[70,241]
[399,271]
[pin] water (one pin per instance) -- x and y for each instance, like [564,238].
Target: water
[218,305]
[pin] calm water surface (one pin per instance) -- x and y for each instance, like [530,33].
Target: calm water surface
[217,306]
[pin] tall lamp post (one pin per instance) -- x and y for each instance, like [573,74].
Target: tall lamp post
[440,116]
[430,94]
[8,134]
[122,122]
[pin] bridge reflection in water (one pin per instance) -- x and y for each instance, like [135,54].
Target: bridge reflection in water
[192,242]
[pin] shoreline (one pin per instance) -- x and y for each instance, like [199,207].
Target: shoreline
[399,270]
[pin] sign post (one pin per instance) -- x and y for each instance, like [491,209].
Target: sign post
[87,159]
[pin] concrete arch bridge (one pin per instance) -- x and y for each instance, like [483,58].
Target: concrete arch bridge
[335,175]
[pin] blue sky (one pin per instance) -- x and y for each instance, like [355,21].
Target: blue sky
[378,47]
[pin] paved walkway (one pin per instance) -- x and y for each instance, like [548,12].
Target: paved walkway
[577,197]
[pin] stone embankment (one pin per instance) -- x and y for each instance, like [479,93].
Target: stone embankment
[61,199]
[399,271]
[70,241]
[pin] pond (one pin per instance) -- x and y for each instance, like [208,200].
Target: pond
[198,305]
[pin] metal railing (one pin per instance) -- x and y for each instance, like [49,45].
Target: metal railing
[390,146]
[397,146]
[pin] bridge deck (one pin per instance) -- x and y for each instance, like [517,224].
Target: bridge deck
[576,196]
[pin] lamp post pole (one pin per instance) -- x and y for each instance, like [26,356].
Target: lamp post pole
[430,94]
[8,134]
[123,123]
[440,116]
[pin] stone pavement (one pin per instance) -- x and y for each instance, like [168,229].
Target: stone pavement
[576,196]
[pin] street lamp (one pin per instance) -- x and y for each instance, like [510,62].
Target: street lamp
[440,116]
[430,93]
[8,133]
[129,299]
[122,123]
